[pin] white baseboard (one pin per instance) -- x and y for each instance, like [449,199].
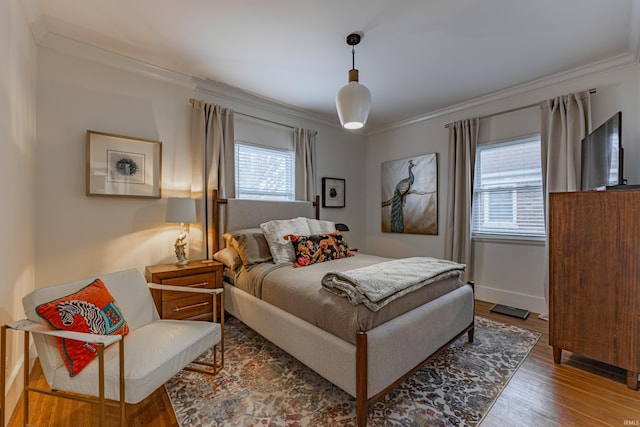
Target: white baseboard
[533,303]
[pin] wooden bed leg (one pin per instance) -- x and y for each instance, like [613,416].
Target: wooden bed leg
[632,380]
[362,407]
[470,333]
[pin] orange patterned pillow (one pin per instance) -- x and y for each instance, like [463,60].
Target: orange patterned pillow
[91,310]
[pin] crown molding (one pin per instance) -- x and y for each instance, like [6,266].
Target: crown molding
[34,16]
[223,91]
[115,60]
[619,61]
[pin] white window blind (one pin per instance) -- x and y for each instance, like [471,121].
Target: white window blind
[507,195]
[264,172]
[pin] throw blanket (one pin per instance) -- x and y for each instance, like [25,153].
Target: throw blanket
[377,285]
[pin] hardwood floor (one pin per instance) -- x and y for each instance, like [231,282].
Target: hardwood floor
[578,392]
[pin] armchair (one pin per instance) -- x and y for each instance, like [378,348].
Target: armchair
[131,369]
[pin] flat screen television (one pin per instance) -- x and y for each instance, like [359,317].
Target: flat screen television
[602,155]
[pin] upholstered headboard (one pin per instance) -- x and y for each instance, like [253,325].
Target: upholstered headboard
[236,214]
[251,213]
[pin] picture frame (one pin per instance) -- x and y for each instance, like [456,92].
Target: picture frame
[122,166]
[333,193]
[410,195]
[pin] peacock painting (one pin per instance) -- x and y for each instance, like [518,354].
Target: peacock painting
[410,195]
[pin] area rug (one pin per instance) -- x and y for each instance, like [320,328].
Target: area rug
[263,386]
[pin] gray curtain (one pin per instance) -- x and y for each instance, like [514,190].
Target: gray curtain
[305,163]
[566,120]
[212,148]
[463,140]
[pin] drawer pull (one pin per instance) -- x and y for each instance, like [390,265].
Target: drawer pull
[188,307]
[195,285]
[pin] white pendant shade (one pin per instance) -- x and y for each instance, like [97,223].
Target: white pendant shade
[353,102]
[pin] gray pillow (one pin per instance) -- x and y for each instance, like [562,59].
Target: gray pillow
[251,245]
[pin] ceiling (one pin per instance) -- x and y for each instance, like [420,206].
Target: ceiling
[416,56]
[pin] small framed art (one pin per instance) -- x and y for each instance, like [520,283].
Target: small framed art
[333,193]
[123,166]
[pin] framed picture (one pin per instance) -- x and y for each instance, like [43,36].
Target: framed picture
[410,195]
[123,166]
[332,193]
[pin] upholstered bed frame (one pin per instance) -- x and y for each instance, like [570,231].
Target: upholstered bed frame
[383,357]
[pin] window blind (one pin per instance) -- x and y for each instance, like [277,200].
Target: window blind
[264,172]
[507,197]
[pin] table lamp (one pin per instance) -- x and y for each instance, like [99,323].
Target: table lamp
[181,210]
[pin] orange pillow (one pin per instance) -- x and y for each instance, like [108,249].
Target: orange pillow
[91,310]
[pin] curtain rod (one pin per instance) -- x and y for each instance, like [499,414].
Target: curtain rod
[193,101]
[513,110]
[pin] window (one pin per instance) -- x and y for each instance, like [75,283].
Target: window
[264,172]
[507,195]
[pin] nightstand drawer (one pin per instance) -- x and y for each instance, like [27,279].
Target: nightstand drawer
[207,281]
[186,307]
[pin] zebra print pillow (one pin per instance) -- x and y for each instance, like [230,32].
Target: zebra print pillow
[91,310]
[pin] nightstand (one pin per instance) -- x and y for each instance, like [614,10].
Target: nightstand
[185,305]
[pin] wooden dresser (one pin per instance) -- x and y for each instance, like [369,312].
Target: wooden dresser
[594,277]
[185,305]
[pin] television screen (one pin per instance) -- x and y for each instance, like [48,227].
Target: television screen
[602,155]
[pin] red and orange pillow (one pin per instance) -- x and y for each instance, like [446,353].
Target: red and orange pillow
[318,248]
[91,310]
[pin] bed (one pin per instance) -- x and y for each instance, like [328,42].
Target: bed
[377,353]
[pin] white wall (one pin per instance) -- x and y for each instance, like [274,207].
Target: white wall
[80,88]
[504,273]
[17,172]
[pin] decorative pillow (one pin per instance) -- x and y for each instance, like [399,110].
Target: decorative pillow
[251,245]
[229,257]
[318,248]
[318,226]
[274,232]
[91,310]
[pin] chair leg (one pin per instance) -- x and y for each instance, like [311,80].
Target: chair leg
[101,383]
[123,413]
[3,367]
[25,372]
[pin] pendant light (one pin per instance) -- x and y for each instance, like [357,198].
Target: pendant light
[353,101]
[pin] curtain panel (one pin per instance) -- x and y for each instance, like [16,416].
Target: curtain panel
[463,140]
[212,150]
[305,163]
[565,122]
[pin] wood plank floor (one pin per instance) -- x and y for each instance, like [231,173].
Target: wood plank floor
[578,392]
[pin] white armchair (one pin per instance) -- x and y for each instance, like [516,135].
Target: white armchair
[126,372]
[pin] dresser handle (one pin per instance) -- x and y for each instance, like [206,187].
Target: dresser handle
[187,307]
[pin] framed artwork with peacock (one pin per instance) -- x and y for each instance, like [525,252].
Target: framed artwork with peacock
[410,195]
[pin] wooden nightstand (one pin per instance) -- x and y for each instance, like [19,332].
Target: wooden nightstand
[184,305]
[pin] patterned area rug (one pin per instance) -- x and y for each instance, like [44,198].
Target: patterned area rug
[263,386]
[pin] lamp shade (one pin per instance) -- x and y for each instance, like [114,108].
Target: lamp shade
[181,210]
[353,102]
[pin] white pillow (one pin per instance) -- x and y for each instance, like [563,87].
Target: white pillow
[274,231]
[318,226]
